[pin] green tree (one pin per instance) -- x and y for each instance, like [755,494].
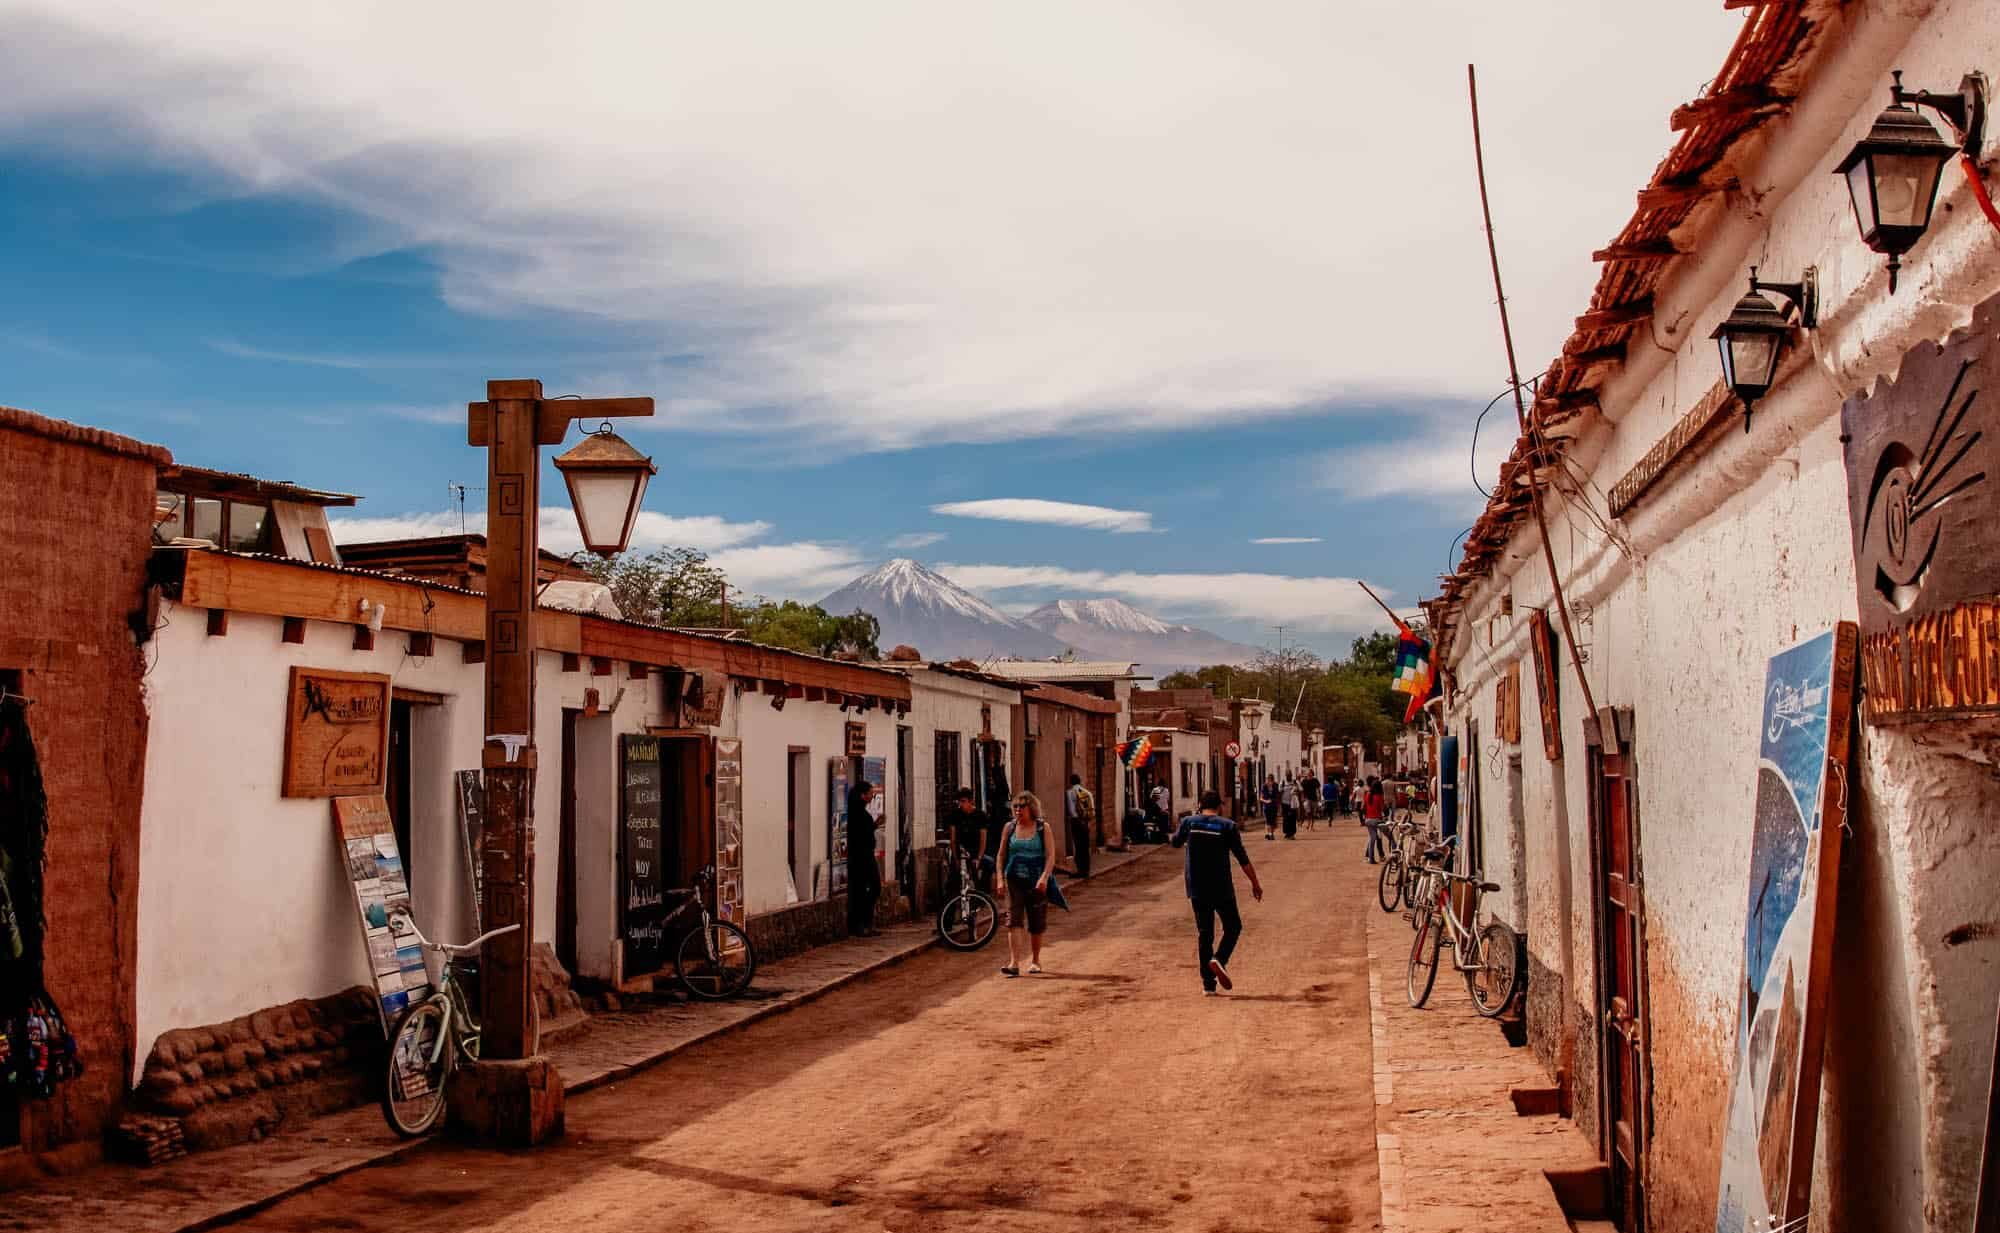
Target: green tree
[812,629]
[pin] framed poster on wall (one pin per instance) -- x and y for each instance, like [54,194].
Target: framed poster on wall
[1767,1144]
[837,783]
[729,830]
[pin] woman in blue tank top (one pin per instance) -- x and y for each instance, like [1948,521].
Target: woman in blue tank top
[1026,859]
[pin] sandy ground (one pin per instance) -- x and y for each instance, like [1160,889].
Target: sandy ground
[939,1095]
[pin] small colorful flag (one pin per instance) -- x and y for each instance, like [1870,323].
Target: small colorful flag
[1135,753]
[1413,665]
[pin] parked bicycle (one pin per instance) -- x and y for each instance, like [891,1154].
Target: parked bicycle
[435,1037]
[1389,883]
[970,918]
[1486,957]
[715,961]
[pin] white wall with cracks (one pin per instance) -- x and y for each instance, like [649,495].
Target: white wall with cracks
[1731,557]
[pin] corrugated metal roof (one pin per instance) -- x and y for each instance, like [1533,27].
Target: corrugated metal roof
[281,489]
[1060,670]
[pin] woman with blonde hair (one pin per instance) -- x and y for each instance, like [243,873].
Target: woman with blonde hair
[1027,858]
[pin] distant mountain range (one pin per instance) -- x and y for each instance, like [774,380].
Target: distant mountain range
[922,608]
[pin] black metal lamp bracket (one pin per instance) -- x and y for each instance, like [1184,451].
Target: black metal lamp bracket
[1804,294]
[1965,111]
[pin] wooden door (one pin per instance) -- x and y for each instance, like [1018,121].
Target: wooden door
[1621,967]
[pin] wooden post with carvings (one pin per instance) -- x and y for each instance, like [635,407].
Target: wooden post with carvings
[513,424]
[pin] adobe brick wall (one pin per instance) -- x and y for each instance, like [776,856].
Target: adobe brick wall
[801,927]
[77,507]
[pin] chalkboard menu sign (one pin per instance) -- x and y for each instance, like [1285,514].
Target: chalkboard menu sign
[641,876]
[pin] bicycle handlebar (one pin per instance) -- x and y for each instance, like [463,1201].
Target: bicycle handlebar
[450,948]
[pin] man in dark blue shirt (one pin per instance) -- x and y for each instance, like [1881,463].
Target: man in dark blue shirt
[1212,841]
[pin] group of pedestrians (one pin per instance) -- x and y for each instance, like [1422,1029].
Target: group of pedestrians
[1291,800]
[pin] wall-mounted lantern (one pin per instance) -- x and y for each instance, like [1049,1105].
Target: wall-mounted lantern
[1753,337]
[1892,173]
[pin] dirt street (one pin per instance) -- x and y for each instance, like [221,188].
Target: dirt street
[940,1095]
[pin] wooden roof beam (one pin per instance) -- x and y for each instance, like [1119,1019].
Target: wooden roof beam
[1642,250]
[1670,193]
[1617,315]
[1735,101]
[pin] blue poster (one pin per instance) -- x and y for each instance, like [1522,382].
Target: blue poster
[1802,751]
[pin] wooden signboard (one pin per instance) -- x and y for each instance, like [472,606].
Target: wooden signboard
[336,733]
[1923,491]
[472,829]
[857,740]
[729,830]
[367,843]
[1767,1138]
[642,888]
[703,707]
[1542,640]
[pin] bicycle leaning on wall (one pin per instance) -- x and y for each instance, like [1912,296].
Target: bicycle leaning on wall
[1486,956]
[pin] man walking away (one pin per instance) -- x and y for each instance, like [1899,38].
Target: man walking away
[1371,816]
[1211,841]
[1309,799]
[1080,815]
[1267,796]
[1333,797]
[864,880]
[1162,798]
[1288,800]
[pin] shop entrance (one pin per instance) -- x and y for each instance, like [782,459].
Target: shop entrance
[1621,915]
[666,835]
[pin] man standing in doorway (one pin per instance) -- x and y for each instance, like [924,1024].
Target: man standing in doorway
[864,880]
[1211,842]
[1080,815]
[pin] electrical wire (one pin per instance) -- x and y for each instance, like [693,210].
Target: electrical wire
[1473,461]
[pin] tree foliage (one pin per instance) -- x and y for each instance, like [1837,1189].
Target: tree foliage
[1349,699]
[678,588]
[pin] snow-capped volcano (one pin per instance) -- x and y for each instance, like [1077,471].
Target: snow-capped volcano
[1114,629]
[921,608]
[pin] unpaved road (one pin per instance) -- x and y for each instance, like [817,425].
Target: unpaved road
[938,1095]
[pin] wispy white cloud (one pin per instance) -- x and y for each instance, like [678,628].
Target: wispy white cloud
[557,529]
[917,539]
[803,571]
[1050,513]
[1435,466]
[1072,253]
[1320,604]
[1287,539]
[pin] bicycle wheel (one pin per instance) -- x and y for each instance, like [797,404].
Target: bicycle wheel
[1389,883]
[1494,986]
[968,921]
[716,962]
[1423,970]
[413,1086]
[1420,896]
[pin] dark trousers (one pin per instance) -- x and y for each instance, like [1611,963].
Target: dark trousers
[1079,846]
[1270,817]
[864,887]
[1291,820]
[1205,913]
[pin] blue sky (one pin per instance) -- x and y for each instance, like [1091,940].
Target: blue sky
[868,268]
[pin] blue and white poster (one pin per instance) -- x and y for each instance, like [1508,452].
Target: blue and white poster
[1787,933]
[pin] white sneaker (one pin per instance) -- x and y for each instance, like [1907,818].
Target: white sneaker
[1034,969]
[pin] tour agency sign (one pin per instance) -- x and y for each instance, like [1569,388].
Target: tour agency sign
[1923,471]
[336,733]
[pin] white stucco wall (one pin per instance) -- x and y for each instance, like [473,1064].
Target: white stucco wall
[940,702]
[1730,559]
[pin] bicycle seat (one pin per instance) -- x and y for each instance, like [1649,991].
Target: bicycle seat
[1437,853]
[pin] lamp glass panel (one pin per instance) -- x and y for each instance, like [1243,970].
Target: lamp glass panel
[1752,361]
[1861,187]
[604,500]
[1905,187]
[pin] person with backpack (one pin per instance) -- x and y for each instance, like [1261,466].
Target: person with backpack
[1212,841]
[1080,815]
[1027,862]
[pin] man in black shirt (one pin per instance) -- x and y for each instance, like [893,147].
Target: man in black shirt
[864,877]
[967,836]
[1212,841]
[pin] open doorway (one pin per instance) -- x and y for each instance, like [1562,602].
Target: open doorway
[798,831]
[397,784]
[666,835]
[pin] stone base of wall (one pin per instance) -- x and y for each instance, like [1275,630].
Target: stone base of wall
[931,878]
[232,1082]
[803,926]
[1584,1086]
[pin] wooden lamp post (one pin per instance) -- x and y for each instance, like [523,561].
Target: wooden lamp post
[512,1097]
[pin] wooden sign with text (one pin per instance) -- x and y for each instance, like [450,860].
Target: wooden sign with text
[1923,473]
[1542,639]
[857,740]
[336,733]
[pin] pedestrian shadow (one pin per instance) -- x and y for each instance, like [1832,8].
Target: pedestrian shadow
[1308,998]
[1091,978]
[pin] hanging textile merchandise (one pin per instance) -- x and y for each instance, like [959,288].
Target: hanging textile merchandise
[1135,754]
[37,1050]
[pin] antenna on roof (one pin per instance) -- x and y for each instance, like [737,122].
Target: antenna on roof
[458,492]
